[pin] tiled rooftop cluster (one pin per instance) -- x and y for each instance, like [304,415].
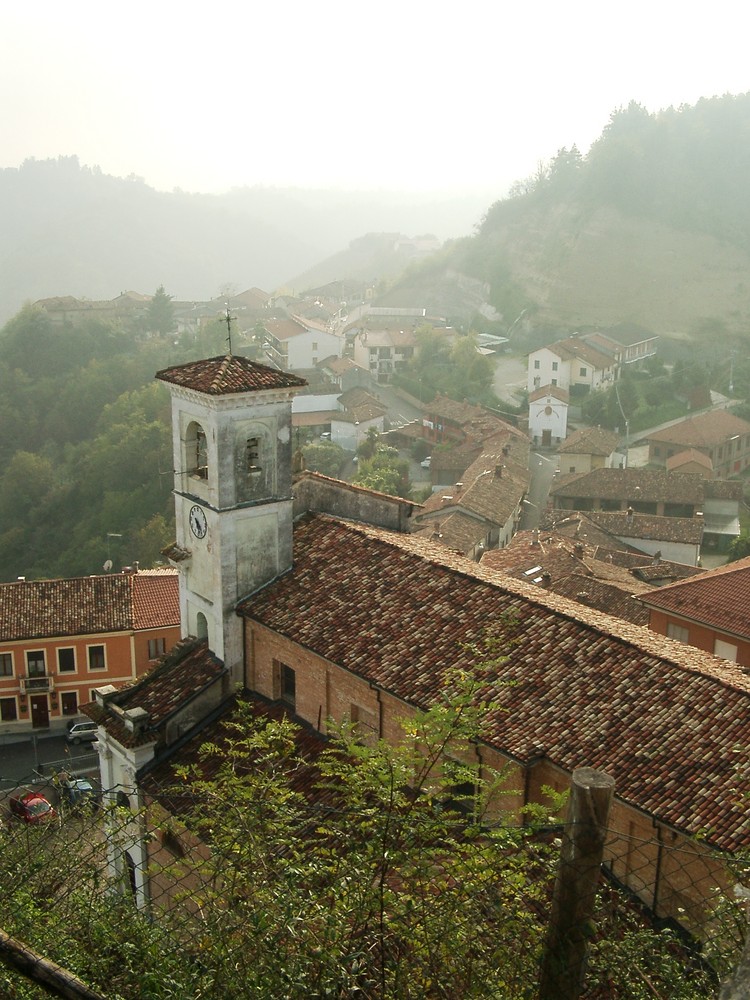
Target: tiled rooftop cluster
[573,569]
[35,609]
[228,374]
[663,718]
[580,526]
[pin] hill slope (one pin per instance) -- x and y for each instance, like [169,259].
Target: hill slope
[651,227]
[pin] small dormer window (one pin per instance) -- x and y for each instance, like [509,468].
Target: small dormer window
[253,454]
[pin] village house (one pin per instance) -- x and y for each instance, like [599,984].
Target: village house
[588,448]
[297,343]
[718,434]
[345,373]
[646,491]
[382,352]
[678,539]
[338,619]
[628,343]
[710,611]
[572,364]
[60,639]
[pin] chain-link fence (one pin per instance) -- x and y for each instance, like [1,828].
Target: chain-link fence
[131,897]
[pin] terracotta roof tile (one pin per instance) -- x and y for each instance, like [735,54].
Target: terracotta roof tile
[156,600]
[719,598]
[687,530]
[180,676]
[704,430]
[626,484]
[228,374]
[118,602]
[590,441]
[663,718]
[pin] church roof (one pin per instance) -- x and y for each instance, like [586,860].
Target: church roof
[228,374]
[663,718]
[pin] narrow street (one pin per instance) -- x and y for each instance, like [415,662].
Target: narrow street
[542,466]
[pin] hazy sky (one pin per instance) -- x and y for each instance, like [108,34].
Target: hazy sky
[408,95]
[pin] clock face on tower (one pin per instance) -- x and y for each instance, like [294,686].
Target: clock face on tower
[197,518]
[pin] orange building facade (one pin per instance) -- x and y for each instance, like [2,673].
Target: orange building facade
[60,639]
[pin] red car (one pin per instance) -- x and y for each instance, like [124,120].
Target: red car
[32,808]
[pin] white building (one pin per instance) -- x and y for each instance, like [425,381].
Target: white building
[297,343]
[570,363]
[548,415]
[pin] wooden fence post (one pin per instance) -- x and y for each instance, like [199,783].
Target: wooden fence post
[564,958]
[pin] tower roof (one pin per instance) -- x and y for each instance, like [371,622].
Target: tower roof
[228,374]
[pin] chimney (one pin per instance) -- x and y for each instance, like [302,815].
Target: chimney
[578,550]
[499,471]
[629,516]
[546,580]
[535,536]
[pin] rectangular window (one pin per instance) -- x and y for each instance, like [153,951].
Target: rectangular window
[583,371]
[536,382]
[66,661]
[285,683]
[315,345]
[35,663]
[96,658]
[726,650]
[8,710]
[554,366]
[156,648]
[536,365]
[6,664]
[364,723]
[253,454]
[69,703]
[554,381]
[679,632]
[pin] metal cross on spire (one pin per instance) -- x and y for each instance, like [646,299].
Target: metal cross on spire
[228,320]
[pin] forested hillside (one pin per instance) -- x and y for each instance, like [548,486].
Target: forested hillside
[652,226]
[85,451]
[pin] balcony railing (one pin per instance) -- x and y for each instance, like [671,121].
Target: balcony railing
[39,684]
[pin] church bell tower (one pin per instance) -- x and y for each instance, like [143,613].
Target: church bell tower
[232,460]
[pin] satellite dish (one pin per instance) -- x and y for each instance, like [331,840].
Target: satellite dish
[107,566]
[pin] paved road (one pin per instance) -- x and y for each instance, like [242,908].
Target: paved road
[23,762]
[542,467]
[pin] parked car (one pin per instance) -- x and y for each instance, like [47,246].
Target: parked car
[32,808]
[426,462]
[77,792]
[81,732]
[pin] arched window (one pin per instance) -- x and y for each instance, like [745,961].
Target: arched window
[202,626]
[197,451]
